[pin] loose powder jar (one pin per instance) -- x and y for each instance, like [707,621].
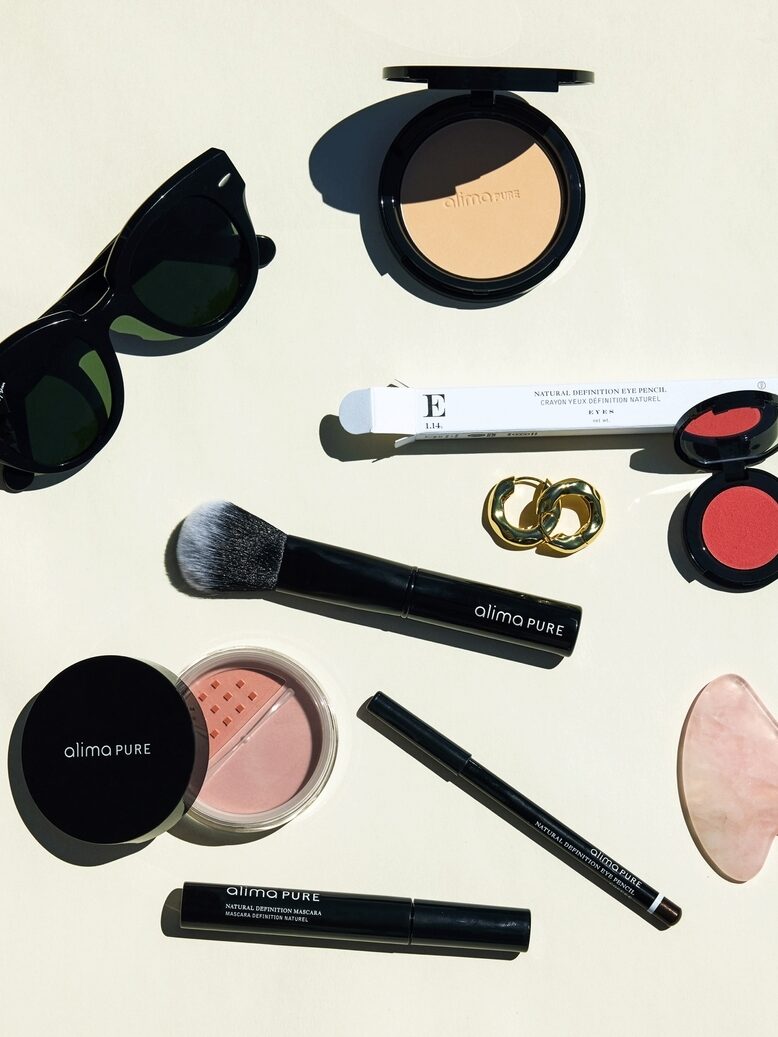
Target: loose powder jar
[730,526]
[271,737]
[481,194]
[116,750]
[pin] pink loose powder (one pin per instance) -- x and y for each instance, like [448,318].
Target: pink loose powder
[740,527]
[265,740]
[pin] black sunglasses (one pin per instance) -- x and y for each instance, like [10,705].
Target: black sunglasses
[185,264]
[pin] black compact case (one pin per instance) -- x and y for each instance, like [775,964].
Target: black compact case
[482,101]
[114,750]
[730,527]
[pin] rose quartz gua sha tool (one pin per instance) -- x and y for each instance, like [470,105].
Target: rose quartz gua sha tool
[728,777]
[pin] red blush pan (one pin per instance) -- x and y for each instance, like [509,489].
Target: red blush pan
[729,423]
[740,527]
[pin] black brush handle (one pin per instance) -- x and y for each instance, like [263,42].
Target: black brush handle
[344,577]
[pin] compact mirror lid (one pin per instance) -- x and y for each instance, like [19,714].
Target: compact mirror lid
[735,428]
[463,77]
[114,750]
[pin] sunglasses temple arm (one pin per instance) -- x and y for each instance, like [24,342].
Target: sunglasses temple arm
[86,289]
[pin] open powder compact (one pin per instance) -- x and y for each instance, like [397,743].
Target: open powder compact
[482,195]
[271,738]
[116,750]
[730,526]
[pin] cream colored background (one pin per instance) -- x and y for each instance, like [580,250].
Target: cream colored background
[672,276]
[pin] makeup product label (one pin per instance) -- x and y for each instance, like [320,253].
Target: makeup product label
[80,750]
[516,619]
[277,911]
[610,871]
[524,619]
[639,406]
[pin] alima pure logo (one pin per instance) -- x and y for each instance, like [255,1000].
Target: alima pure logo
[81,750]
[460,200]
[499,615]
[271,894]
[542,626]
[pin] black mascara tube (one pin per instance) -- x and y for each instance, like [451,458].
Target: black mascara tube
[345,577]
[563,839]
[313,914]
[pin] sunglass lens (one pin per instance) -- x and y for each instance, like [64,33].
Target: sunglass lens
[55,398]
[190,265]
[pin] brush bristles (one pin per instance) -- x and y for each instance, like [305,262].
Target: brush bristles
[222,548]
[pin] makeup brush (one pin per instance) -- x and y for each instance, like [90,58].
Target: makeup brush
[222,548]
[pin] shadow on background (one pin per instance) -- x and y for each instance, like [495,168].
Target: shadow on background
[653,451]
[37,482]
[189,830]
[345,166]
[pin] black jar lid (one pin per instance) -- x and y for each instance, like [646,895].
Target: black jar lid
[734,429]
[475,77]
[114,750]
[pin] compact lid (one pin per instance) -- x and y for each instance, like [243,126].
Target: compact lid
[736,428]
[114,750]
[484,77]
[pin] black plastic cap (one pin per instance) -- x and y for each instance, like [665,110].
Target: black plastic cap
[464,77]
[733,429]
[440,924]
[114,750]
[416,731]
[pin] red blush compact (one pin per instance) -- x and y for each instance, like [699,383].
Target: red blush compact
[731,522]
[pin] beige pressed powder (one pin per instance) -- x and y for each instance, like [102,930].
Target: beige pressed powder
[481,195]
[481,199]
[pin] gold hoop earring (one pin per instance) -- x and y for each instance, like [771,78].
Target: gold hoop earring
[548,515]
[518,536]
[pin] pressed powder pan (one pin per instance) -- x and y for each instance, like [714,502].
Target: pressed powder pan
[481,194]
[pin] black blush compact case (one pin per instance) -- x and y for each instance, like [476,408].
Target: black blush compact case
[730,527]
[481,195]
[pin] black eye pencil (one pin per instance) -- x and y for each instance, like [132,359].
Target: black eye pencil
[564,840]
